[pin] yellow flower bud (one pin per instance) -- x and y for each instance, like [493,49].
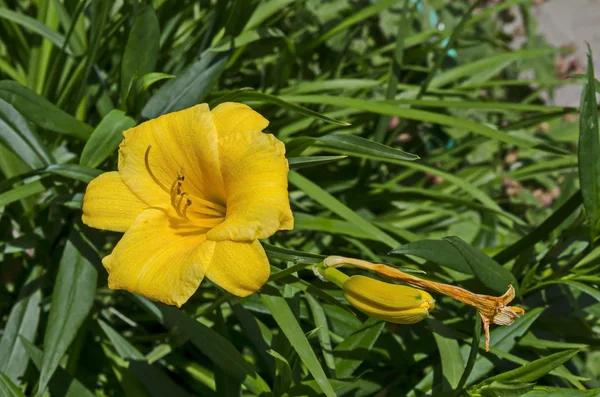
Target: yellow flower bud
[389,302]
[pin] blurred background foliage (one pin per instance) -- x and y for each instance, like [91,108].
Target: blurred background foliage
[405,122]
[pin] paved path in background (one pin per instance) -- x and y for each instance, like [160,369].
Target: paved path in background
[571,22]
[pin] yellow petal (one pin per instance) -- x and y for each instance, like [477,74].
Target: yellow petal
[158,260]
[384,296]
[153,153]
[390,302]
[237,118]
[109,204]
[240,268]
[254,170]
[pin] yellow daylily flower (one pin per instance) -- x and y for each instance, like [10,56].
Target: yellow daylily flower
[193,193]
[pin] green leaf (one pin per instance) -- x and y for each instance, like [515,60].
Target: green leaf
[289,255]
[591,291]
[499,389]
[42,112]
[218,349]
[68,20]
[589,150]
[125,349]
[544,230]
[225,385]
[143,83]
[62,382]
[16,135]
[472,357]
[503,338]
[8,388]
[548,391]
[445,46]
[288,323]
[438,196]
[283,373]
[462,104]
[330,202]
[584,78]
[354,349]
[99,14]
[496,62]
[286,277]
[353,145]
[454,253]
[265,10]
[142,47]
[21,192]
[381,107]
[72,171]
[533,370]
[361,15]
[105,139]
[248,37]
[258,334]
[188,88]
[155,380]
[462,183]
[308,87]
[23,320]
[395,64]
[320,320]
[36,27]
[450,357]
[72,299]
[250,95]
[303,221]
[303,162]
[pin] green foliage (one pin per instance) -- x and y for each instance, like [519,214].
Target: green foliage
[401,135]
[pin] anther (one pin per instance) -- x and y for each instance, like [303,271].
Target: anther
[176,189]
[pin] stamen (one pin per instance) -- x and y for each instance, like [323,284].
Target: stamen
[176,188]
[180,202]
[222,210]
[187,204]
[207,211]
[147,163]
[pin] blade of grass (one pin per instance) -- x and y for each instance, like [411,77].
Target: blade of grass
[413,114]
[333,204]
[589,150]
[288,323]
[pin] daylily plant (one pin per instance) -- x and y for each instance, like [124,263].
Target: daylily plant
[194,192]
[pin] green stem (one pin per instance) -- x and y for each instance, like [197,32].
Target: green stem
[335,276]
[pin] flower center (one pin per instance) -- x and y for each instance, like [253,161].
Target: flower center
[198,211]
